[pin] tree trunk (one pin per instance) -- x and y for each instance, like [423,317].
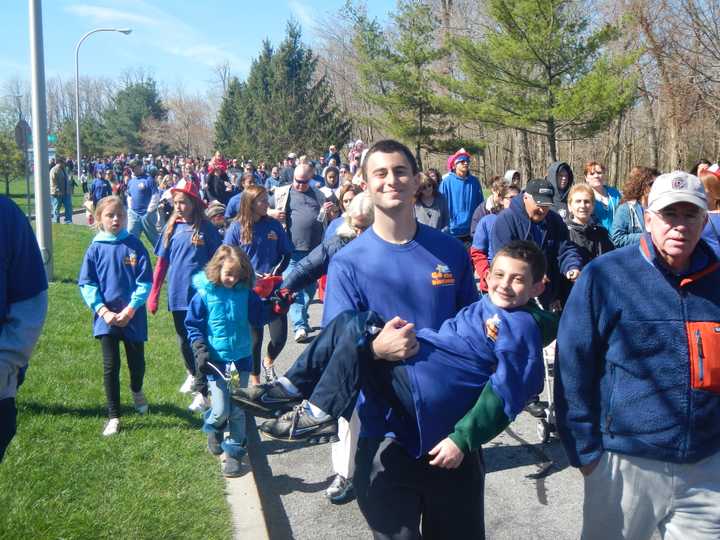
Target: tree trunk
[524,161]
[551,140]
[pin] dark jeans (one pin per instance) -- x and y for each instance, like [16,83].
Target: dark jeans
[399,494]
[278,327]
[8,423]
[186,351]
[135,353]
[338,363]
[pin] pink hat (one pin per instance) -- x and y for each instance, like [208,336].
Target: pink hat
[188,188]
[462,153]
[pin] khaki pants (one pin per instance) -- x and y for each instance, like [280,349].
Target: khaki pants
[630,497]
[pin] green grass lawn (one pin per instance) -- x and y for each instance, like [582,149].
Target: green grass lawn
[61,478]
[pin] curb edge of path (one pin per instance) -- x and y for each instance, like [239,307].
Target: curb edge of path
[243,496]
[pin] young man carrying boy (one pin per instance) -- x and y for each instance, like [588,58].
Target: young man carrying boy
[495,340]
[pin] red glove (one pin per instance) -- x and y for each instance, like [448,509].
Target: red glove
[282,300]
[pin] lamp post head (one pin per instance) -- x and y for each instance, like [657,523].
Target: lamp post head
[125,31]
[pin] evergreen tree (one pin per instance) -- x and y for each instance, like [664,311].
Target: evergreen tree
[283,105]
[228,117]
[397,73]
[541,69]
[123,121]
[92,138]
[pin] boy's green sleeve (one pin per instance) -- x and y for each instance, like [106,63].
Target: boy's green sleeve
[485,421]
[547,321]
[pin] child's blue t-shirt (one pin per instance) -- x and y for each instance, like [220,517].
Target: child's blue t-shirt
[711,232]
[481,343]
[233,206]
[424,281]
[186,256]
[116,268]
[141,189]
[99,189]
[269,243]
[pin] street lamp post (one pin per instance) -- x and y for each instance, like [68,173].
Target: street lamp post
[125,31]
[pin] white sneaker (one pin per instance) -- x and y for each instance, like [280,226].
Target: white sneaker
[140,402]
[199,403]
[300,335]
[186,387]
[112,427]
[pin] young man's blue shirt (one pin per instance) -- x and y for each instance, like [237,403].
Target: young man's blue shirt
[269,243]
[186,256]
[141,189]
[463,196]
[120,265]
[99,189]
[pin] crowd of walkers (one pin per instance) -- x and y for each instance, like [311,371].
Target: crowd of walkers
[437,304]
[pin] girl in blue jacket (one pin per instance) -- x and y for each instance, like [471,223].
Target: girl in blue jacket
[115,280]
[218,325]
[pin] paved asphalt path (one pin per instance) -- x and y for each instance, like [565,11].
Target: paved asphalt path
[530,492]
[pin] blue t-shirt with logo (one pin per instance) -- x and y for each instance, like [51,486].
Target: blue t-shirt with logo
[141,189]
[116,268]
[233,206]
[269,243]
[186,254]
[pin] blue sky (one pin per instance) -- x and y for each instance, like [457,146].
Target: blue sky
[178,42]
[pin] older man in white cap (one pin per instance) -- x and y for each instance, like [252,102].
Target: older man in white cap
[638,376]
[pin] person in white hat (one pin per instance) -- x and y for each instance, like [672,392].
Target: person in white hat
[637,391]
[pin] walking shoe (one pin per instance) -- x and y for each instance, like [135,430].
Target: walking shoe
[269,373]
[232,468]
[300,335]
[140,402]
[265,400]
[112,427]
[300,425]
[537,408]
[199,403]
[187,386]
[215,439]
[340,491]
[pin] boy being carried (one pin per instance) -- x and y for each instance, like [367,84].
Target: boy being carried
[469,379]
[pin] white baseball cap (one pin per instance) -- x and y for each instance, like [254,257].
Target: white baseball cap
[675,187]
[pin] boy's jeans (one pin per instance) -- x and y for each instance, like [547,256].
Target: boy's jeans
[298,311]
[226,416]
[137,224]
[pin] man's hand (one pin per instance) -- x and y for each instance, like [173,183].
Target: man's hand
[573,274]
[396,341]
[447,455]
[276,214]
[588,469]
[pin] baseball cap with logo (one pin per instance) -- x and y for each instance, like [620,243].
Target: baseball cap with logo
[675,187]
[541,191]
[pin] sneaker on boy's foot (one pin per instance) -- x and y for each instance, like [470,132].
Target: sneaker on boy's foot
[300,425]
[265,400]
[340,491]
[140,402]
[112,427]
[232,468]
[269,373]
[300,335]
[186,387]
[199,403]
[214,443]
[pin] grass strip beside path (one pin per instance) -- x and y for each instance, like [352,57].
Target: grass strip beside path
[61,478]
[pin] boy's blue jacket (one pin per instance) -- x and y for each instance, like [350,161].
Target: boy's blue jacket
[222,318]
[561,253]
[623,378]
[482,344]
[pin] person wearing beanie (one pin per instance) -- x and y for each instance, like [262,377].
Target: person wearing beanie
[216,214]
[463,194]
